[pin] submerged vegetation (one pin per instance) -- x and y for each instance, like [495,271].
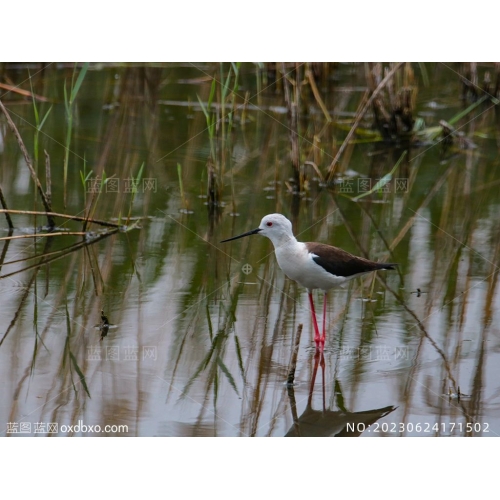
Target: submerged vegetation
[392,161]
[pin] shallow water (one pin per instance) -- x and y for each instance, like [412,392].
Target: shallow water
[203,333]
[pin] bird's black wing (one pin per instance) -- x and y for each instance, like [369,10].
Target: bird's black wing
[341,263]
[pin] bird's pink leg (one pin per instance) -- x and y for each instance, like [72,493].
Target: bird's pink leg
[317,338]
[323,339]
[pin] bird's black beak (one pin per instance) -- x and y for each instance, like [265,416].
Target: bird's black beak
[253,231]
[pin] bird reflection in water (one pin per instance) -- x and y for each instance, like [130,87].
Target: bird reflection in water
[327,423]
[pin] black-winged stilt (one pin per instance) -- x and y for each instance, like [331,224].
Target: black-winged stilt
[312,265]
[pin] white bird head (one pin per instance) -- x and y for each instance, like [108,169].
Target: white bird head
[276,227]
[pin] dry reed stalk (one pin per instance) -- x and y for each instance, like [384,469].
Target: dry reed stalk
[470,82]
[64,216]
[48,178]
[41,235]
[4,205]
[315,91]
[292,105]
[295,352]
[497,85]
[46,254]
[27,159]
[25,93]
[71,249]
[393,112]
[359,116]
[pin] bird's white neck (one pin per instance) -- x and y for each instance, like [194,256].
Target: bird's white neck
[281,240]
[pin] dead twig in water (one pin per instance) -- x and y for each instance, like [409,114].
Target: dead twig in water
[295,352]
[64,216]
[41,235]
[61,255]
[4,205]
[25,93]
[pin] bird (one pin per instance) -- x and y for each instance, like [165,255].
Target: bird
[312,265]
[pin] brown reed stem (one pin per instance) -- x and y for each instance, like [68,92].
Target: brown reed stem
[57,257]
[359,116]
[317,95]
[42,235]
[64,216]
[25,93]
[27,158]
[292,106]
[48,178]
[4,205]
[295,352]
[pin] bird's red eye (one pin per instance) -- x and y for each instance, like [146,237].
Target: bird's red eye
[269,224]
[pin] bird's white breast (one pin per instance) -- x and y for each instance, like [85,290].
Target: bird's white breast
[298,264]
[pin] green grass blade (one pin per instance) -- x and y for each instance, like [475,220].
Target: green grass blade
[139,174]
[66,101]
[209,322]
[44,118]
[181,186]
[236,68]
[213,347]
[240,359]
[79,80]
[35,109]
[79,372]
[225,87]
[212,93]
[468,110]
[205,112]
[425,75]
[228,375]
